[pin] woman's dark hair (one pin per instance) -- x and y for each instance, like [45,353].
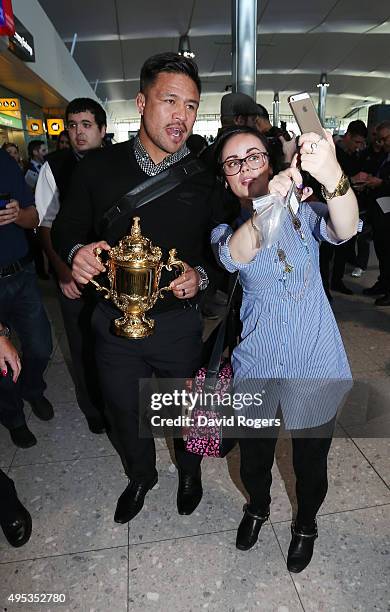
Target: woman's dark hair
[6,145]
[168,62]
[228,133]
[60,135]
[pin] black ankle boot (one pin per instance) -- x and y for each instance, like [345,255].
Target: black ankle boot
[249,528]
[301,546]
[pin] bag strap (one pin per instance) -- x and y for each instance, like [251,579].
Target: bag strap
[147,191]
[215,359]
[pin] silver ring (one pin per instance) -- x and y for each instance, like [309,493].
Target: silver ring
[313,146]
[184,292]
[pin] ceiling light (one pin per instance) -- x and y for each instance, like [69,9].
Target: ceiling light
[184,47]
[323,81]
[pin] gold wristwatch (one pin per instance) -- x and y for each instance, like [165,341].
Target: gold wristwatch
[341,188]
[5,332]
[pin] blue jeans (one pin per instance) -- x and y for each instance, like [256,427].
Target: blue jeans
[21,308]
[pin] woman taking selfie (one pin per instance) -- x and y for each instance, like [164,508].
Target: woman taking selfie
[290,350]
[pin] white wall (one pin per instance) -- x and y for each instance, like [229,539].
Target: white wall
[53,62]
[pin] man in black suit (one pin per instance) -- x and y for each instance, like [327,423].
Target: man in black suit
[15,520]
[167,102]
[86,121]
[380,185]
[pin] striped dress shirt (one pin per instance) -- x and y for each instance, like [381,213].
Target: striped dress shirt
[291,350]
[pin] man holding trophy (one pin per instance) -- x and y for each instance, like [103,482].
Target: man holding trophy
[170,224]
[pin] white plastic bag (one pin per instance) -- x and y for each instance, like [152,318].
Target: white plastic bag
[270,213]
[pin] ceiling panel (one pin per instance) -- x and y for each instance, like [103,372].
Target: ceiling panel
[100,60]
[135,52]
[347,39]
[272,50]
[211,18]
[162,19]
[355,16]
[298,16]
[86,17]
[368,54]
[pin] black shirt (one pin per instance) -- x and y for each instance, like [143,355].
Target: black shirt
[62,164]
[13,241]
[180,219]
[351,163]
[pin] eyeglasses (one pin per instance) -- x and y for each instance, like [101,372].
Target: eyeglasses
[254,161]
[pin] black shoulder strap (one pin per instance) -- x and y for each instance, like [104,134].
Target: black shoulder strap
[154,187]
[215,359]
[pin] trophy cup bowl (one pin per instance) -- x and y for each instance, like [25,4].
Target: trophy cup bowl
[134,271]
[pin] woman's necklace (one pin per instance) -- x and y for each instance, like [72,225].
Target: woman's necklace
[288,267]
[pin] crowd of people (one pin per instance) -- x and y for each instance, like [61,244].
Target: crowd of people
[67,193]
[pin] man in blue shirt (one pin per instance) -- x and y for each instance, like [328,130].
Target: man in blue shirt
[21,305]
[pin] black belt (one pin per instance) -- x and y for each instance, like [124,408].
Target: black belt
[16,266]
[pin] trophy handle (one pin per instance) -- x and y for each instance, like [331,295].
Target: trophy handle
[172,262]
[93,282]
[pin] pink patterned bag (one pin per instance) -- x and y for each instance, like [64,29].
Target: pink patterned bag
[216,378]
[208,439]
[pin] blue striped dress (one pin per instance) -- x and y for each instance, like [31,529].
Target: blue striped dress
[291,350]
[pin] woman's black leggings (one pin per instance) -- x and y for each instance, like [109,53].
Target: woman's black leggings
[310,456]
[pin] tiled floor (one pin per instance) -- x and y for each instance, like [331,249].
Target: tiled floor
[162,561]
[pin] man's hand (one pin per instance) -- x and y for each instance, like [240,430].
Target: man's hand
[85,264]
[373,182]
[186,285]
[10,213]
[67,284]
[9,354]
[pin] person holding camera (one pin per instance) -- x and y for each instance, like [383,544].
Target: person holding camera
[290,350]
[15,520]
[21,304]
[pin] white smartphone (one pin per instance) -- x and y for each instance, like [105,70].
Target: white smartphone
[305,113]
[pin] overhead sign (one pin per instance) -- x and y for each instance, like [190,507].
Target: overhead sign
[55,126]
[10,121]
[21,43]
[9,104]
[7,25]
[35,127]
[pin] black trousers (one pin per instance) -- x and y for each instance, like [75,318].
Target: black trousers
[340,255]
[381,237]
[22,309]
[77,316]
[8,498]
[172,351]
[310,467]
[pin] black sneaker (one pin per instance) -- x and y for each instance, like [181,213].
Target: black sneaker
[383,301]
[42,408]
[22,437]
[96,425]
[376,289]
[341,288]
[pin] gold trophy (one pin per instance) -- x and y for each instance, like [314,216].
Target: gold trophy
[134,272]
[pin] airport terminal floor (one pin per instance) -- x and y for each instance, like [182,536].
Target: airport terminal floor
[71,479]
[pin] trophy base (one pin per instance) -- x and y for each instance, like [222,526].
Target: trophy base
[133,326]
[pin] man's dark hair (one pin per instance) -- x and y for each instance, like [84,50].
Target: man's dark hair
[384,125]
[83,105]
[5,145]
[263,113]
[33,145]
[168,62]
[357,128]
[196,144]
